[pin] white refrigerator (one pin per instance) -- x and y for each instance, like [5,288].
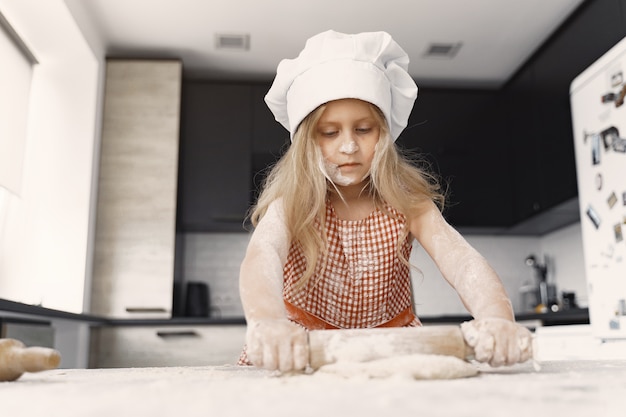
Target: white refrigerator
[597,98]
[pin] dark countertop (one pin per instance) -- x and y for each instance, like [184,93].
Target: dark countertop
[572,316]
[39,312]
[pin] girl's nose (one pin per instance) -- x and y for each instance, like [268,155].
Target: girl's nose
[348,146]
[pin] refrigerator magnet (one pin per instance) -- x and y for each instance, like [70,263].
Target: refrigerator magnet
[619,145]
[618,232]
[612,200]
[595,149]
[609,136]
[593,216]
[620,97]
[616,79]
[608,98]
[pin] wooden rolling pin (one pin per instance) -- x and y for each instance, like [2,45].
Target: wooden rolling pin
[15,359]
[361,345]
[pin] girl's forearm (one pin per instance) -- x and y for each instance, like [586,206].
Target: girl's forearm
[467,271]
[261,273]
[260,286]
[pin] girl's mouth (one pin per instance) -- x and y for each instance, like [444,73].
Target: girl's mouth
[333,172]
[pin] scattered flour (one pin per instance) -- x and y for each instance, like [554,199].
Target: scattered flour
[415,366]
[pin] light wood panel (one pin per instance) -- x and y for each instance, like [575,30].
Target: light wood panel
[136,212]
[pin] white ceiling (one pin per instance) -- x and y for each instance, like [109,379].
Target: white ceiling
[497,36]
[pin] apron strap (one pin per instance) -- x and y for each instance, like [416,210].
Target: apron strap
[313,322]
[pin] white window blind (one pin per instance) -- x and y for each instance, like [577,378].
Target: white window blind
[16,67]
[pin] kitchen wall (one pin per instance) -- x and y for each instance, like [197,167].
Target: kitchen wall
[214,258]
[507,255]
[48,244]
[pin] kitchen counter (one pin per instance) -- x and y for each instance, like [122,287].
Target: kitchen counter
[558,318]
[563,317]
[43,312]
[572,316]
[563,388]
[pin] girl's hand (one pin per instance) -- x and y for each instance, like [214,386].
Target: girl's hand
[277,344]
[498,341]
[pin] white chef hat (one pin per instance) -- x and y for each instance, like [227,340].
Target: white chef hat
[368,66]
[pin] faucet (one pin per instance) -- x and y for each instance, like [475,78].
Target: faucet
[541,269]
[542,273]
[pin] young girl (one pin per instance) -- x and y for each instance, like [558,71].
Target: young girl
[335,222]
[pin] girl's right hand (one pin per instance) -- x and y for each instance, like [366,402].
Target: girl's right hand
[277,344]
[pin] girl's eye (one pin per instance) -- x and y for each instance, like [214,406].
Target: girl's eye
[328,133]
[363,130]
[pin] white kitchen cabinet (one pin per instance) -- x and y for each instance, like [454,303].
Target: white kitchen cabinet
[31,333]
[172,345]
[133,265]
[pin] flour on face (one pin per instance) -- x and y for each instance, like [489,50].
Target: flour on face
[349,147]
[333,172]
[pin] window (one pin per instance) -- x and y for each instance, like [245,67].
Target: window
[15,78]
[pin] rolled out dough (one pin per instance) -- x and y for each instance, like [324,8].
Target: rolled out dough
[416,366]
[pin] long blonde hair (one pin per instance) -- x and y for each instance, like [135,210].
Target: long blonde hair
[300,183]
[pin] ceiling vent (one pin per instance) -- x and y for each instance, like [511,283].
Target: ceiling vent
[240,42]
[442,50]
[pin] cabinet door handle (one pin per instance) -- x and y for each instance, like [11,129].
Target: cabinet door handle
[177,333]
[145,310]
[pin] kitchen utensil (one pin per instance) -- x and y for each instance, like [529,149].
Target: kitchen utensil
[15,359]
[197,300]
[360,345]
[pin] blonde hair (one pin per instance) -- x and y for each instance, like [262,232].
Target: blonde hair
[303,187]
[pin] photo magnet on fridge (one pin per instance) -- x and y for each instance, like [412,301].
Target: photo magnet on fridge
[616,79]
[612,200]
[619,145]
[618,232]
[595,149]
[620,97]
[593,216]
[609,136]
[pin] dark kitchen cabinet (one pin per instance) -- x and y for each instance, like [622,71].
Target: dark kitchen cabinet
[269,139]
[505,157]
[268,136]
[537,107]
[508,155]
[519,100]
[459,134]
[228,139]
[215,156]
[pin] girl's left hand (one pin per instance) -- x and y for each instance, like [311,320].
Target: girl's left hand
[498,341]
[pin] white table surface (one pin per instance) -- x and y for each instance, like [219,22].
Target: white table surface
[560,388]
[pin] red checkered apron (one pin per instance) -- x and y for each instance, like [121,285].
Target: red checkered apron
[363,283]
